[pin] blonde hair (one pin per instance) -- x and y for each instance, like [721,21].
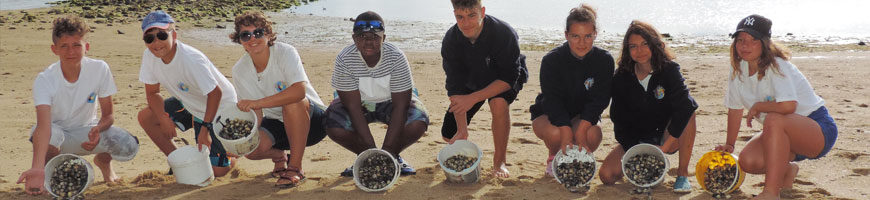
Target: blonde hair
[769,51]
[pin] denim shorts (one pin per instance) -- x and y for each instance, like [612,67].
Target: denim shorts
[829,131]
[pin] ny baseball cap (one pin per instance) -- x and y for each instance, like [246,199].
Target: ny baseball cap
[156,19]
[756,25]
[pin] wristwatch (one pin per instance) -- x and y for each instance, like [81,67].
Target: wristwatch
[208,125]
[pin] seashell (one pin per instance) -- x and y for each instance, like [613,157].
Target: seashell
[644,169]
[69,178]
[377,172]
[236,129]
[459,162]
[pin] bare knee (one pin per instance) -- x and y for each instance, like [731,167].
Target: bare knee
[296,107]
[773,120]
[499,107]
[608,175]
[751,164]
[145,116]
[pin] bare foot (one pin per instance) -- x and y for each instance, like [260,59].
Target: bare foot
[501,171]
[790,176]
[764,195]
[103,162]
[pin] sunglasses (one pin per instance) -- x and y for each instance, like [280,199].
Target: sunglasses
[246,35]
[366,26]
[149,38]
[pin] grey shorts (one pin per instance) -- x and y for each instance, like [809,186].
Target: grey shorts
[338,117]
[119,143]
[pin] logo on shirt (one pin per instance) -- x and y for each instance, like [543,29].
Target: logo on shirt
[183,87]
[280,86]
[769,99]
[660,92]
[92,97]
[589,82]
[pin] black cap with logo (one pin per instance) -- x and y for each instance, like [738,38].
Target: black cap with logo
[756,25]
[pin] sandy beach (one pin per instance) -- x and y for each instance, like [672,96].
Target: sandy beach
[838,74]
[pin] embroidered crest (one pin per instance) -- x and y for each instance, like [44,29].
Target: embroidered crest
[769,99]
[749,21]
[280,86]
[589,82]
[183,87]
[92,97]
[660,92]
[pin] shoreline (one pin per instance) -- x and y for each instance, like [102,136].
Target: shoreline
[837,73]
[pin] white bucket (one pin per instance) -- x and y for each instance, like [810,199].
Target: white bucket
[650,150]
[190,166]
[242,146]
[59,159]
[465,148]
[574,154]
[362,158]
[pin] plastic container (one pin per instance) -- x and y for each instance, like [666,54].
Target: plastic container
[466,148]
[362,158]
[574,154]
[191,166]
[59,159]
[715,158]
[650,150]
[242,146]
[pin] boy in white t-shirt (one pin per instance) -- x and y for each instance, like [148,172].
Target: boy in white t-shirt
[270,79]
[66,95]
[198,89]
[373,82]
[795,123]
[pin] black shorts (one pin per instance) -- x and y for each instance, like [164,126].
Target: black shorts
[448,129]
[184,121]
[316,133]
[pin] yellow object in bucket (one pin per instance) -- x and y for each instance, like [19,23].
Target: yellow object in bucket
[714,159]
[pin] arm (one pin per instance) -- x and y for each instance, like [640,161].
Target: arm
[682,104]
[353,103]
[292,94]
[734,117]
[211,106]
[155,103]
[454,71]
[554,91]
[401,102]
[106,121]
[463,103]
[34,178]
[598,97]
[621,117]
[785,107]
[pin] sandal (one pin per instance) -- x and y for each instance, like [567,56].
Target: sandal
[289,181]
[278,170]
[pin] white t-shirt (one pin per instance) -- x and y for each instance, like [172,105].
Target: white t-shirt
[789,84]
[375,84]
[189,78]
[283,70]
[74,105]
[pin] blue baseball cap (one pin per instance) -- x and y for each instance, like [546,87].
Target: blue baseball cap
[156,19]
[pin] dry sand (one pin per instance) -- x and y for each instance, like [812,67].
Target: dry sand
[839,77]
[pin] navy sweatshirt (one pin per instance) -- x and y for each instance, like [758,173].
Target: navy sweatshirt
[643,115]
[495,55]
[572,87]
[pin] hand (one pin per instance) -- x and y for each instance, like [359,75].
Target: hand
[565,145]
[33,180]
[753,113]
[461,103]
[204,138]
[460,135]
[94,139]
[725,147]
[248,105]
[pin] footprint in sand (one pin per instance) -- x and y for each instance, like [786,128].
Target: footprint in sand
[802,182]
[520,124]
[820,191]
[524,141]
[744,138]
[861,171]
[321,158]
[851,156]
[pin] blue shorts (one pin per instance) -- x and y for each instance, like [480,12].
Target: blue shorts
[184,121]
[829,131]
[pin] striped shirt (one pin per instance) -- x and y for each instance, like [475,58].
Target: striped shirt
[375,84]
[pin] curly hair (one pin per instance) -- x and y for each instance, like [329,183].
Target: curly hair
[69,25]
[256,19]
[465,4]
[582,14]
[661,54]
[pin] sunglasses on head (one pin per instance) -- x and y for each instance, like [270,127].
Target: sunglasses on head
[257,33]
[149,38]
[367,26]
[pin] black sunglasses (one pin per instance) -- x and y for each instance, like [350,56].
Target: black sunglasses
[149,38]
[258,33]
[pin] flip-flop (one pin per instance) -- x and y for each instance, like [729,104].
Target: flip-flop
[291,181]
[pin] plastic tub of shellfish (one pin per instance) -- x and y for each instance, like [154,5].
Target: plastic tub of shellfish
[729,167]
[647,149]
[574,155]
[231,118]
[65,169]
[361,165]
[461,148]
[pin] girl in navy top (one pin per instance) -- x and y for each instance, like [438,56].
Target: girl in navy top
[650,104]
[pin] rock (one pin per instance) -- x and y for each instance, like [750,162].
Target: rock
[666,35]
[99,21]
[11,28]
[220,26]
[861,43]
[120,32]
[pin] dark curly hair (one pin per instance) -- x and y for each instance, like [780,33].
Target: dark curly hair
[256,19]
[661,54]
[69,25]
